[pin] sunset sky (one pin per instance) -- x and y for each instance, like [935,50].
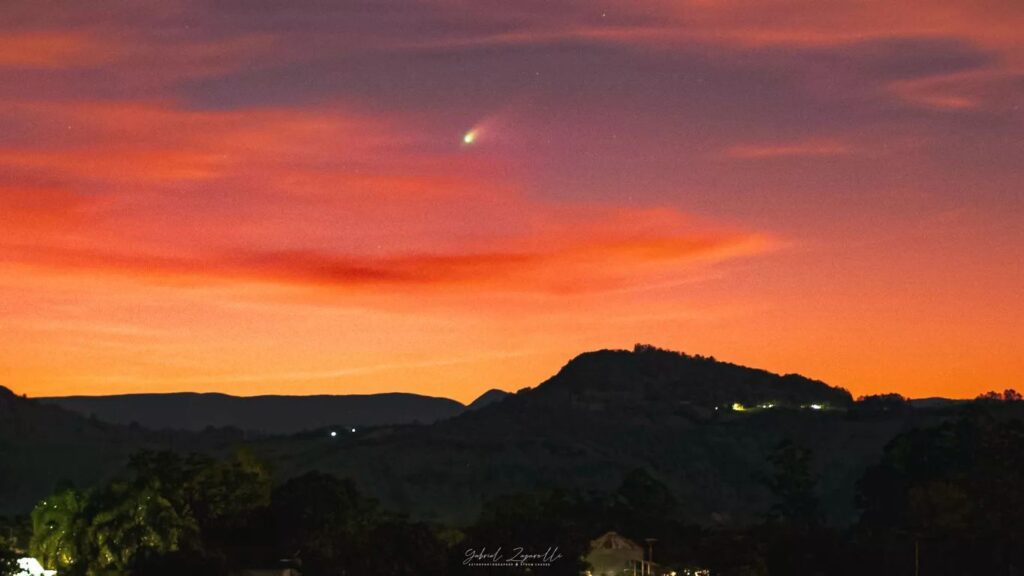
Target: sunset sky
[276,197]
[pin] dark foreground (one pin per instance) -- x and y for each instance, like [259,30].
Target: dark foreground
[947,498]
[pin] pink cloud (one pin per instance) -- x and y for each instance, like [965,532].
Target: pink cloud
[315,199]
[803,149]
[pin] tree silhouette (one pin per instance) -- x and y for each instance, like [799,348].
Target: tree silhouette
[537,523]
[324,520]
[134,521]
[794,486]
[59,528]
[954,491]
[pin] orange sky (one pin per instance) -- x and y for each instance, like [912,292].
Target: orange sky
[279,200]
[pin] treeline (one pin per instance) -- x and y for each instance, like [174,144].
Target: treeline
[942,501]
[945,500]
[169,514]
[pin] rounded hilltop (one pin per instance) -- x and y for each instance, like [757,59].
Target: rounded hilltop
[650,374]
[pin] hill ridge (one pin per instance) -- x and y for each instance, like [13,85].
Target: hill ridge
[271,414]
[701,380]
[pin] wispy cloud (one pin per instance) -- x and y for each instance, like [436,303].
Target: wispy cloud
[567,265]
[284,378]
[51,50]
[801,149]
[165,194]
[984,89]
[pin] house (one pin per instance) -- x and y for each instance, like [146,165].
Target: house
[614,555]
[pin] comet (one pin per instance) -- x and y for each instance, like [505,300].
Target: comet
[469,137]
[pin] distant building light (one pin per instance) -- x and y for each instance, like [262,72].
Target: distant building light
[816,406]
[333,433]
[353,430]
[738,407]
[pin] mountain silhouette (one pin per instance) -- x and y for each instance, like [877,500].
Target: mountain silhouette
[692,422]
[487,398]
[263,414]
[702,427]
[657,378]
[43,445]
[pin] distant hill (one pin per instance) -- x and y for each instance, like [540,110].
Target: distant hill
[656,378]
[935,402]
[43,445]
[264,414]
[487,398]
[604,414]
[702,427]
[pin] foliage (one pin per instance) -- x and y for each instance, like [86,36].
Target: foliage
[1008,395]
[953,491]
[794,485]
[134,520]
[59,531]
[15,533]
[169,514]
[162,506]
[947,486]
[880,405]
[399,548]
[45,446]
[225,494]
[8,558]
[322,518]
[537,523]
